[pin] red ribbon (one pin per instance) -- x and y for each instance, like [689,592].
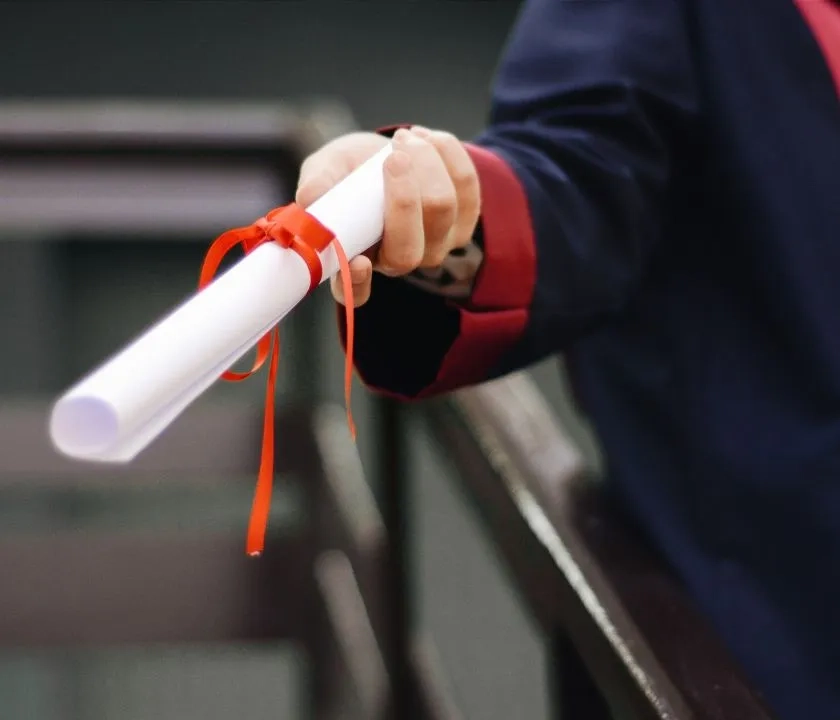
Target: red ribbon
[295,229]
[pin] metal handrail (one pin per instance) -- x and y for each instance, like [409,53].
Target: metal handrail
[623,631]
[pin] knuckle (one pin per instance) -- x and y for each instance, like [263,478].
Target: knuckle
[401,260]
[465,180]
[403,199]
[440,203]
[445,140]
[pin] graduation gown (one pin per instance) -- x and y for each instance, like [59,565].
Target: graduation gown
[661,204]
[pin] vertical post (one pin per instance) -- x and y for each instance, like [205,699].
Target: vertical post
[319,685]
[306,366]
[30,295]
[392,485]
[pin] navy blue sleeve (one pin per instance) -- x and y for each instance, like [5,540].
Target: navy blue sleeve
[591,98]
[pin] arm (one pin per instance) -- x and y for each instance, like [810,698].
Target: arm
[574,170]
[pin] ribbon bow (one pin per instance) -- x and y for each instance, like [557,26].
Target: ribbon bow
[295,229]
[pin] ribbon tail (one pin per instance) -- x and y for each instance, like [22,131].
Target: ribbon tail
[261,507]
[295,229]
[264,348]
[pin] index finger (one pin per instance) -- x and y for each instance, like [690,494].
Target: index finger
[401,249]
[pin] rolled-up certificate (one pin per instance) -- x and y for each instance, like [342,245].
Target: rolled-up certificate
[122,406]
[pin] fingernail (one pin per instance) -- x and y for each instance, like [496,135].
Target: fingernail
[399,163]
[421,131]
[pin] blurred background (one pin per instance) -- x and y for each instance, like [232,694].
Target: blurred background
[73,292]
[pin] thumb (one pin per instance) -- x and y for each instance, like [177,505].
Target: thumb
[328,166]
[361,275]
[316,179]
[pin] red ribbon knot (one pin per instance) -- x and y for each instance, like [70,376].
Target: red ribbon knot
[294,229]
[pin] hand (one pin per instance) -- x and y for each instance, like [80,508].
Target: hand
[432,199]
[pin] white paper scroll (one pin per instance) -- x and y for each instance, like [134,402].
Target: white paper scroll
[117,410]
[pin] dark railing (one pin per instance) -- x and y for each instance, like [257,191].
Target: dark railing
[337,582]
[623,636]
